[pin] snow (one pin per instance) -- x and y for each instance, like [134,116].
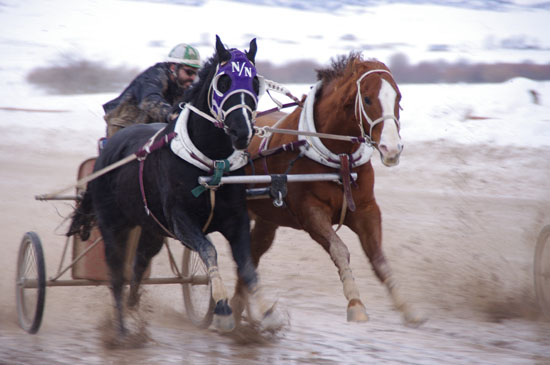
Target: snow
[139,33]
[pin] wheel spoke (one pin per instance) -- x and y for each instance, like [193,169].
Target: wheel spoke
[30,263]
[198,299]
[30,268]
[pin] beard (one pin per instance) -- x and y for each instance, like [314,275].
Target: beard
[184,82]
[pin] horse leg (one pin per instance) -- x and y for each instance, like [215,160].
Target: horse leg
[367,224]
[197,241]
[317,223]
[223,319]
[261,236]
[115,252]
[149,245]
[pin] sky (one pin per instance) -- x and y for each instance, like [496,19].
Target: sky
[138,34]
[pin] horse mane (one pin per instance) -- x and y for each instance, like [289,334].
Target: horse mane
[205,75]
[343,64]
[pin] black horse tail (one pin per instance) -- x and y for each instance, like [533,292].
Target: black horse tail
[83,218]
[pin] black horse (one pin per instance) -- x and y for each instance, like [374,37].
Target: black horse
[159,192]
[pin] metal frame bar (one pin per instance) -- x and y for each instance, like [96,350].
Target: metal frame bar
[193,280]
[82,254]
[264,179]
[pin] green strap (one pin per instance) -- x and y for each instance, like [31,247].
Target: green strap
[220,167]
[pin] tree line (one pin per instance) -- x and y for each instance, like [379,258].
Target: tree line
[426,72]
[77,76]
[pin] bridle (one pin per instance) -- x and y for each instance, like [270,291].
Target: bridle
[217,109]
[242,72]
[360,111]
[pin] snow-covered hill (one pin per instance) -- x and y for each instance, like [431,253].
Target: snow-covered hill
[140,33]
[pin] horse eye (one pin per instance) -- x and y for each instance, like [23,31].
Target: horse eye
[367,100]
[223,84]
[256,85]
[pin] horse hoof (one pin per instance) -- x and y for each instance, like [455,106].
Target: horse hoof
[132,304]
[224,323]
[237,305]
[357,312]
[414,319]
[273,320]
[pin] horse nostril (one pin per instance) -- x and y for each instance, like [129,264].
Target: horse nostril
[383,148]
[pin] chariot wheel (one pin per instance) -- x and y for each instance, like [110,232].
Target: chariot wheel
[30,283]
[542,270]
[199,304]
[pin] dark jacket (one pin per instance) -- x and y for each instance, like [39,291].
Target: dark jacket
[149,98]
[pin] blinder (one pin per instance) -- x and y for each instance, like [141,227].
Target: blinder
[241,72]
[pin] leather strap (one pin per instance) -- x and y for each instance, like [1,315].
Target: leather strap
[142,154]
[346,180]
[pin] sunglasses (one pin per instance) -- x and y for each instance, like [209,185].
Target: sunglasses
[190,71]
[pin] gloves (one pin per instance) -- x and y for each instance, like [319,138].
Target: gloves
[172,116]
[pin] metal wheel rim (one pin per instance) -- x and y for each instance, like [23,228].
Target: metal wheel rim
[199,304]
[30,267]
[542,270]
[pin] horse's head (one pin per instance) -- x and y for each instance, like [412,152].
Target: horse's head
[234,92]
[367,94]
[376,108]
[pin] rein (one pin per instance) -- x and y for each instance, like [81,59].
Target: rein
[141,155]
[272,85]
[276,109]
[210,118]
[262,132]
[143,151]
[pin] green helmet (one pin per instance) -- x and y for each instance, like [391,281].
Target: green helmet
[185,54]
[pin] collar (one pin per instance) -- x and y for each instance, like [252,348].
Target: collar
[315,149]
[182,146]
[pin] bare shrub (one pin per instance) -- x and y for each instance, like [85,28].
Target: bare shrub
[78,76]
[462,71]
[293,72]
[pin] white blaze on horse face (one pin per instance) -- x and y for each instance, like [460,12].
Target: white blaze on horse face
[390,146]
[249,122]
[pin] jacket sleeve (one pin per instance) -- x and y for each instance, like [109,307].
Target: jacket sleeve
[150,94]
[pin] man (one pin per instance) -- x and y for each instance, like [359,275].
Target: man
[152,95]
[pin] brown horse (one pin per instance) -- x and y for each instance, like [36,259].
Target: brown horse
[354,97]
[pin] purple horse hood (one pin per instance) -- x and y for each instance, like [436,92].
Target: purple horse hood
[242,73]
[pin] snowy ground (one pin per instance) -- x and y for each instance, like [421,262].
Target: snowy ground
[461,212]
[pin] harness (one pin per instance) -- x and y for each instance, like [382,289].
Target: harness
[316,150]
[183,147]
[310,145]
[141,155]
[220,167]
[242,72]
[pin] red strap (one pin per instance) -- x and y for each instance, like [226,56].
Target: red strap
[346,180]
[142,155]
[276,109]
[145,150]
